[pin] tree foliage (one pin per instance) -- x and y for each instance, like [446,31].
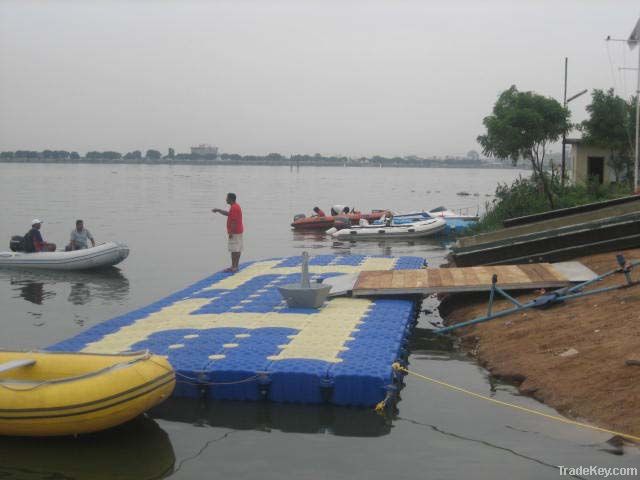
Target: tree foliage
[153,155]
[611,126]
[522,198]
[26,154]
[109,155]
[55,154]
[521,126]
[473,155]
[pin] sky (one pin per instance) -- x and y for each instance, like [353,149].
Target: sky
[345,77]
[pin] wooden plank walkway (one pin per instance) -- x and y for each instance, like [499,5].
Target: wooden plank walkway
[468,279]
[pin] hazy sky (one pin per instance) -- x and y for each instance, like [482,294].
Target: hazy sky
[346,77]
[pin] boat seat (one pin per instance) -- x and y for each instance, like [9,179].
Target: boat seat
[26,362]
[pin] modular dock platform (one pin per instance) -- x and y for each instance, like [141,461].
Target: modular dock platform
[231,336]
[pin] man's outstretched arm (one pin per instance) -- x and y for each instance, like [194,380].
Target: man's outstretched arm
[220,211]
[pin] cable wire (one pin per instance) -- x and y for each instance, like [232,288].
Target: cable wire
[556,418]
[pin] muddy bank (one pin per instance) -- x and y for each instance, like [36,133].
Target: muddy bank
[571,356]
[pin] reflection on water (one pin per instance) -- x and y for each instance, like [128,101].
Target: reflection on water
[38,286]
[33,292]
[387,245]
[80,294]
[393,248]
[309,239]
[423,340]
[264,416]
[314,239]
[138,450]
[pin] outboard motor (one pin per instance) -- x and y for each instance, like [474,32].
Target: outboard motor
[299,216]
[16,244]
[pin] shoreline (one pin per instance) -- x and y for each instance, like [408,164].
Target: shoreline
[266,164]
[571,356]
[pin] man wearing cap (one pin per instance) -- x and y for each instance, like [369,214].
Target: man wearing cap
[33,241]
[234,230]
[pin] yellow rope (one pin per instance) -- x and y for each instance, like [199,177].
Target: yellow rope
[380,406]
[397,366]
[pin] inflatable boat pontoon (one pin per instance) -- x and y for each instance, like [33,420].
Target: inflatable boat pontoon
[421,229]
[103,255]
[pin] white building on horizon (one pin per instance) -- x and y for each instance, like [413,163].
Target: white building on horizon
[204,149]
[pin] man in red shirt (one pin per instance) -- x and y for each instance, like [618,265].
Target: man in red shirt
[234,230]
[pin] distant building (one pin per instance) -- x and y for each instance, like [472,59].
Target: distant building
[587,161]
[204,149]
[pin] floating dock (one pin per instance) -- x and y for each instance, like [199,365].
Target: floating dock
[232,336]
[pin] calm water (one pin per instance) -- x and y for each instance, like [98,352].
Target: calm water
[163,213]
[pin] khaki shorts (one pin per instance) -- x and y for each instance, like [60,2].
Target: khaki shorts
[235,242]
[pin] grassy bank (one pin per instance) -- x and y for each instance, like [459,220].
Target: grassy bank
[524,197]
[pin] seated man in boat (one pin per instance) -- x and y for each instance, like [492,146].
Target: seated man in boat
[80,237]
[339,210]
[318,212]
[33,241]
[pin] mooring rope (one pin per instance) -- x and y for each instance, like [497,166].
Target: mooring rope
[195,381]
[182,378]
[398,367]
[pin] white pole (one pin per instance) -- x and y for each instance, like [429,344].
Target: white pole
[635,178]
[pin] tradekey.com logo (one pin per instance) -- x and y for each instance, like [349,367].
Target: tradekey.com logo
[600,472]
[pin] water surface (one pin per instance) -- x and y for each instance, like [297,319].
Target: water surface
[163,213]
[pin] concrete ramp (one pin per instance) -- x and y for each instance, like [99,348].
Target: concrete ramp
[470,279]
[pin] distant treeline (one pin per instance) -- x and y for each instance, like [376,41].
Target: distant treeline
[471,160]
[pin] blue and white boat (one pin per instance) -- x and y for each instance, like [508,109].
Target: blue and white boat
[455,222]
[425,227]
[444,212]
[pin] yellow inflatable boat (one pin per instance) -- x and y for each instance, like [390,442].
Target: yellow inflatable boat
[49,393]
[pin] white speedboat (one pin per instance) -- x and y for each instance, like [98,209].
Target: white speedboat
[419,229]
[440,212]
[103,255]
[444,212]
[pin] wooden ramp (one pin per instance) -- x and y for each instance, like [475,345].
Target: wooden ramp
[469,279]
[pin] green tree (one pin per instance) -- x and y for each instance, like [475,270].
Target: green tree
[611,126]
[172,153]
[274,158]
[521,126]
[153,155]
[135,155]
[473,155]
[231,156]
[111,155]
